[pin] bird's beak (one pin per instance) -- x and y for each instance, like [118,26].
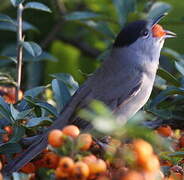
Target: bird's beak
[169,34]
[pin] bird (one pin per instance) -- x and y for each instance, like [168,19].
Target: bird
[123,82]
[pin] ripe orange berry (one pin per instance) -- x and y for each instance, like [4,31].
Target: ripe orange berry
[61,174]
[181,142]
[28,168]
[142,150]
[132,175]
[80,170]
[84,141]
[96,167]
[8,129]
[66,164]
[55,138]
[1,176]
[50,160]
[165,131]
[5,138]
[158,31]
[71,130]
[89,158]
[1,165]
[152,164]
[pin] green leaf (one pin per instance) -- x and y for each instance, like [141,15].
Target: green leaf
[171,53]
[16,2]
[5,110]
[100,27]
[81,16]
[18,133]
[158,8]
[12,26]
[168,77]
[38,6]
[166,93]
[124,8]
[5,18]
[34,91]
[48,107]
[23,114]
[10,148]
[14,112]
[68,80]
[8,58]
[177,154]
[38,121]
[180,67]
[33,48]
[61,93]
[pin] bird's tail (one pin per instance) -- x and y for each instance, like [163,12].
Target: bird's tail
[41,143]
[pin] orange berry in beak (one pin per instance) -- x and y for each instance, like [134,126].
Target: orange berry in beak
[158,31]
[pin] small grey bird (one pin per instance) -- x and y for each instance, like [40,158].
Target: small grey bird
[123,82]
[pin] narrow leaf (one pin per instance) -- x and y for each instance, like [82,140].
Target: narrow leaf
[168,77]
[180,67]
[35,91]
[38,6]
[61,93]
[10,148]
[16,2]
[5,18]
[38,121]
[158,8]
[33,48]
[81,15]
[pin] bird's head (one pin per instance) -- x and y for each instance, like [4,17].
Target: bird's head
[143,36]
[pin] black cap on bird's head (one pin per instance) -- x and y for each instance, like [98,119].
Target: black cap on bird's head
[141,28]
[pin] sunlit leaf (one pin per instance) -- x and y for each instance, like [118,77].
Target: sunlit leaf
[37,6]
[33,48]
[81,15]
[61,93]
[168,77]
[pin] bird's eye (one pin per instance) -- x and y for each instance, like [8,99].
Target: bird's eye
[145,33]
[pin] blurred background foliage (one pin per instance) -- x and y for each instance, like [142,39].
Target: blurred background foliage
[77,43]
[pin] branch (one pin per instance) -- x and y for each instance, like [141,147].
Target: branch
[19,48]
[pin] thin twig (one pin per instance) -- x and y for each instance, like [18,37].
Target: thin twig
[19,48]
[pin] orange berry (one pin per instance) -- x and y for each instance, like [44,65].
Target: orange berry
[103,178]
[8,129]
[50,160]
[60,173]
[175,176]
[96,167]
[66,164]
[165,131]
[89,158]
[1,165]
[1,176]
[132,175]
[142,150]
[55,138]
[80,170]
[84,141]
[158,31]
[28,168]
[5,138]
[152,164]
[181,142]
[71,130]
